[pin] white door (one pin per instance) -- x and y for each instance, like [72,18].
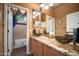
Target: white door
[10,31]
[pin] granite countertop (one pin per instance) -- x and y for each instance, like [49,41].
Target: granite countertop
[63,48]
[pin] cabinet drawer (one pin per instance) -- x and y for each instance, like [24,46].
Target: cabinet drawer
[40,49]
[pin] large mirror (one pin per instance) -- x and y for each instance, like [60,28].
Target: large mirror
[37,19]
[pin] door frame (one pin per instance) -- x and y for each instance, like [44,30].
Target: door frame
[6,27]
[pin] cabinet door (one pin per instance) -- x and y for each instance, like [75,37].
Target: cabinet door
[40,49]
[48,51]
[34,47]
[1,30]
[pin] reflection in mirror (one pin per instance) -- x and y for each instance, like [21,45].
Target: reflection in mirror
[36,18]
[51,25]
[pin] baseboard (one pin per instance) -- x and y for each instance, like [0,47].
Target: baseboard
[20,43]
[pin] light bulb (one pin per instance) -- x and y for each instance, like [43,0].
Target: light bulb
[42,5]
[36,15]
[46,7]
[51,4]
[34,12]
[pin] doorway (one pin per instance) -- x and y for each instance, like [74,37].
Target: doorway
[20,27]
[16,25]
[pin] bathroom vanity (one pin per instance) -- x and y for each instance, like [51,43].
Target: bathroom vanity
[43,46]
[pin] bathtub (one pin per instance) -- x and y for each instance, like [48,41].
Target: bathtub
[20,43]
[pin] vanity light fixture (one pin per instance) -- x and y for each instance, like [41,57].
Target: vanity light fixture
[51,4]
[34,16]
[34,12]
[42,5]
[46,7]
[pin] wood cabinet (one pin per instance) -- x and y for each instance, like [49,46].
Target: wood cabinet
[40,49]
[34,47]
[48,51]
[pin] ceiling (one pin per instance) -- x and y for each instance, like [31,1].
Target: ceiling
[29,5]
[34,6]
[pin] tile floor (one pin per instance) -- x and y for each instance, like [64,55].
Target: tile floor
[19,52]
